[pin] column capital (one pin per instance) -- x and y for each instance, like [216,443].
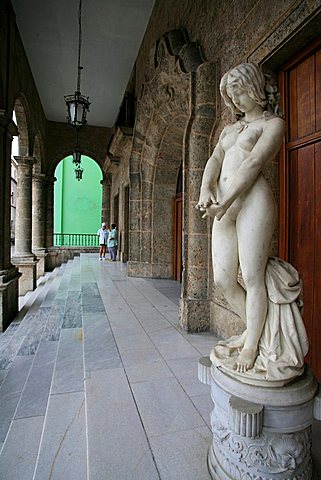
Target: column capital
[39,177]
[24,161]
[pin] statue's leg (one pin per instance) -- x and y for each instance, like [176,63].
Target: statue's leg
[226,264]
[254,236]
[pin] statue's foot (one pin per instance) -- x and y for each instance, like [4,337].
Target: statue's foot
[245,360]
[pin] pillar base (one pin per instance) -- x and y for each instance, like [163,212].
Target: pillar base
[8,296]
[27,266]
[51,259]
[194,315]
[41,254]
[260,433]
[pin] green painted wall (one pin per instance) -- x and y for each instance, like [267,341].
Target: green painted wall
[77,204]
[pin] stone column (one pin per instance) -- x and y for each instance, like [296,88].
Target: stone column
[105,199]
[51,257]
[23,258]
[38,221]
[195,296]
[9,274]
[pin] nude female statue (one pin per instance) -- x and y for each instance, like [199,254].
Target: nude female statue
[235,193]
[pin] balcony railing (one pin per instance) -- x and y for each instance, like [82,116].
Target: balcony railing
[76,240]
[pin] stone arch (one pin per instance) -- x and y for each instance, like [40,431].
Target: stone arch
[21,109]
[65,153]
[175,117]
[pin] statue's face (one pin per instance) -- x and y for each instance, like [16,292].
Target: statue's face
[239,96]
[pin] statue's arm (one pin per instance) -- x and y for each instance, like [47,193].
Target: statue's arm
[210,176]
[265,150]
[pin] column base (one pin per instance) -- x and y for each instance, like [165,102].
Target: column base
[28,268]
[194,315]
[261,433]
[41,255]
[8,296]
[51,259]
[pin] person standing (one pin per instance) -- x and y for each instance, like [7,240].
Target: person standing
[103,235]
[112,242]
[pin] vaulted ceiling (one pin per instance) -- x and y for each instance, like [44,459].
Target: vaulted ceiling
[112,31]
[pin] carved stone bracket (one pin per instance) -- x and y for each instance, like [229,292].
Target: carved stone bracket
[245,418]
[204,370]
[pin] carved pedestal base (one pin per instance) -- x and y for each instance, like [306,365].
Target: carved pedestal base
[41,255]
[8,296]
[261,433]
[27,268]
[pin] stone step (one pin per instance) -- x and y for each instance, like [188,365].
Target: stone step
[34,373]
[12,339]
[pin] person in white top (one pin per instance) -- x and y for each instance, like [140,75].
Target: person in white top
[103,234]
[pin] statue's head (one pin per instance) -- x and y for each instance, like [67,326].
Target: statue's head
[247,77]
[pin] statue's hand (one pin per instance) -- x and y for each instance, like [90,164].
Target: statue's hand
[214,210]
[206,199]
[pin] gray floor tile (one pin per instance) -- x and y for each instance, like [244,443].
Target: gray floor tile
[204,405]
[137,357]
[35,395]
[117,446]
[19,454]
[183,455]
[136,341]
[164,407]
[63,448]
[10,391]
[145,372]
[100,347]
[172,344]
[69,371]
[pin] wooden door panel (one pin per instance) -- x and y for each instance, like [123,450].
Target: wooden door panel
[305,97]
[292,106]
[301,248]
[300,185]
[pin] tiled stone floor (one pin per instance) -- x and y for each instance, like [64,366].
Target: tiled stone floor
[99,382]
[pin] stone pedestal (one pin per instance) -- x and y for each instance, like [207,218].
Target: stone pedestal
[28,269]
[260,433]
[8,296]
[41,254]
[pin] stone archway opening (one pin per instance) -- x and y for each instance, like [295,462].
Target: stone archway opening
[77,204]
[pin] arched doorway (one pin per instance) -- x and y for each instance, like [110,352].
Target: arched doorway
[77,204]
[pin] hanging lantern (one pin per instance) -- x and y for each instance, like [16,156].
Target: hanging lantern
[77,104]
[79,172]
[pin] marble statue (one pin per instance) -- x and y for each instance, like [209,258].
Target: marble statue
[235,193]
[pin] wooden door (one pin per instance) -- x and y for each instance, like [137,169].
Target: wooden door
[177,228]
[300,186]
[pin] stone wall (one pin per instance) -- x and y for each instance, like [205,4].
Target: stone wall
[118,167]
